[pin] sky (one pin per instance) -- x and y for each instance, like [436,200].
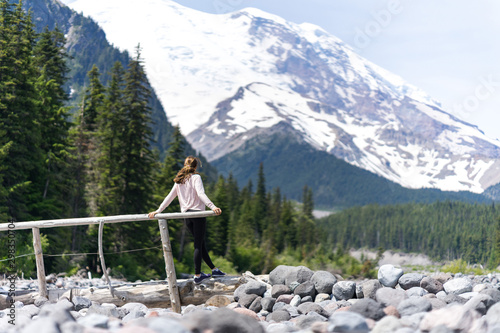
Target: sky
[449,48]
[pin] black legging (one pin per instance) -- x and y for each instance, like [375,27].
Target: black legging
[198,227]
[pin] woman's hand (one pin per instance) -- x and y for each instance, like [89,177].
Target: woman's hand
[152,214]
[217,211]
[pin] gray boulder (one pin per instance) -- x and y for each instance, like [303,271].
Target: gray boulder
[224,320]
[305,308]
[298,274]
[256,305]
[452,298]
[414,305]
[304,322]
[323,281]
[410,280]
[431,285]
[134,314]
[278,316]
[60,314]
[254,288]
[493,293]
[388,275]
[416,292]
[247,300]
[108,310]
[344,290]
[278,275]
[458,286]
[481,303]
[305,289]
[368,308]
[280,289]
[268,303]
[370,288]
[295,301]
[41,325]
[80,302]
[347,321]
[94,320]
[389,296]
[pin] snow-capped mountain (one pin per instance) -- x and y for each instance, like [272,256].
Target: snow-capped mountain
[227,78]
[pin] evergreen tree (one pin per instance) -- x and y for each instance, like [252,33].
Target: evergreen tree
[50,61]
[23,170]
[111,123]
[138,160]
[217,227]
[260,203]
[93,105]
[307,202]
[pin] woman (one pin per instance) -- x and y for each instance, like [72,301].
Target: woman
[189,189]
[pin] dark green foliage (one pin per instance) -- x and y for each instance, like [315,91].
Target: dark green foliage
[442,230]
[290,164]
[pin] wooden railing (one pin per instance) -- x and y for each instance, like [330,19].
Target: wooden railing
[165,239]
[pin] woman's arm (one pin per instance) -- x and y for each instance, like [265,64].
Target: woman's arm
[168,199]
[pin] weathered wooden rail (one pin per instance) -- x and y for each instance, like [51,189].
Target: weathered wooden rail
[165,239]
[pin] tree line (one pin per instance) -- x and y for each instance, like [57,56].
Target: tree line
[443,230]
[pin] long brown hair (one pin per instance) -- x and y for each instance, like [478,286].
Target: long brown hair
[189,168]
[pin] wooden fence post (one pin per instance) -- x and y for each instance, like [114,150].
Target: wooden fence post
[169,266]
[40,268]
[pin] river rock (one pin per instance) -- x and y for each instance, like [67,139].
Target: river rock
[388,275]
[256,305]
[298,274]
[370,288]
[224,320]
[278,316]
[80,302]
[295,301]
[414,305]
[344,290]
[278,275]
[246,300]
[94,320]
[387,324]
[305,308]
[280,289]
[268,303]
[458,286]
[323,281]
[455,317]
[416,292]
[368,308]
[389,296]
[410,280]
[305,289]
[347,321]
[254,288]
[431,285]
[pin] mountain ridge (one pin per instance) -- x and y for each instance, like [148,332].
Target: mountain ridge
[392,128]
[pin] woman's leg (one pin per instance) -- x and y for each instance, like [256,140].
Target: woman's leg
[197,227]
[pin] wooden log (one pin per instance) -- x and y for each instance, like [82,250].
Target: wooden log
[40,268]
[169,266]
[151,294]
[106,219]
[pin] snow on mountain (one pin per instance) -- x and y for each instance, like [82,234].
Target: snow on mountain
[226,78]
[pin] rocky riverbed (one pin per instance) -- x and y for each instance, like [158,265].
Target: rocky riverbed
[289,299]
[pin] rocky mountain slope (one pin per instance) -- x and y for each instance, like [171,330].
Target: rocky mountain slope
[228,78]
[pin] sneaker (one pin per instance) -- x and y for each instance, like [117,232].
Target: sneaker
[217,273]
[202,277]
